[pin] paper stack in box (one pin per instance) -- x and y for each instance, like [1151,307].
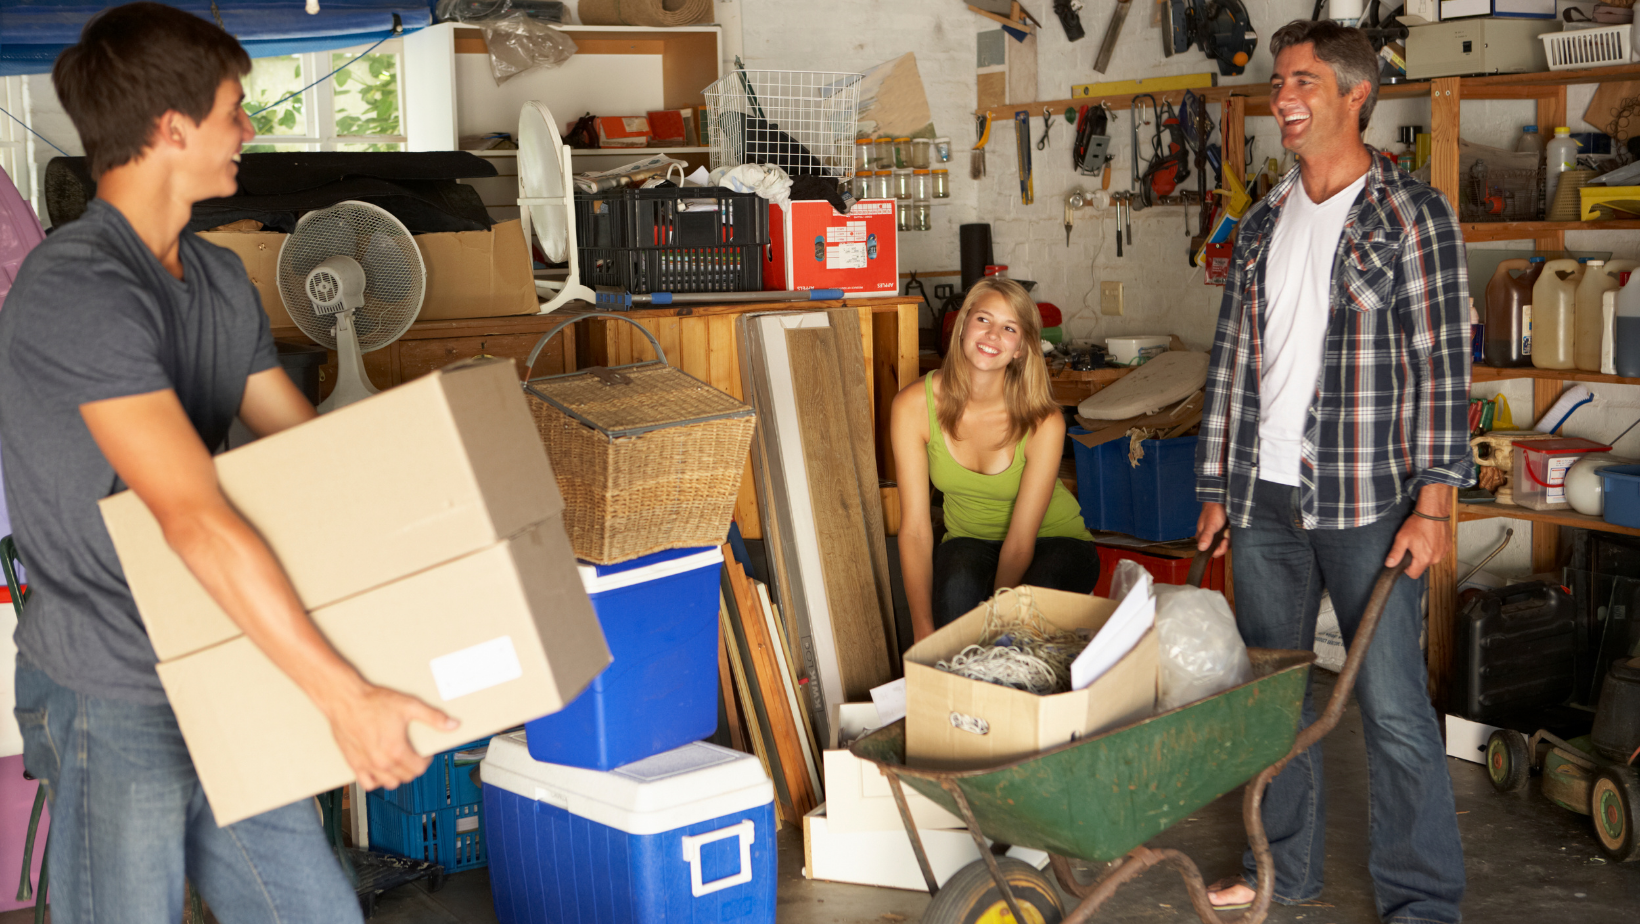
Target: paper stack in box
[421,528]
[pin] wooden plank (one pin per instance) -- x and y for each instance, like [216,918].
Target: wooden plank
[886,384]
[856,403]
[1545,535]
[888,303]
[1443,595]
[756,726]
[726,692]
[1475,231]
[1444,109]
[723,363]
[846,567]
[1567,518]
[1233,131]
[790,686]
[767,693]
[868,346]
[907,349]
[694,350]
[666,331]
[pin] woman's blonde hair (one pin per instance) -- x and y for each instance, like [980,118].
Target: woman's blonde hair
[1025,387]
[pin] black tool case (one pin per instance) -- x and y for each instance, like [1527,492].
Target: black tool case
[1516,649]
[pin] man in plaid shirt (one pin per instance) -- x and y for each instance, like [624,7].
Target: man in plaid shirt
[1336,421]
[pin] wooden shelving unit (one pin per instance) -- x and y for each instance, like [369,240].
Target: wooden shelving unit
[1469,512]
[1489,374]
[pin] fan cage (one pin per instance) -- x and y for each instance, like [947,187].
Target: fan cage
[751,114]
[395,275]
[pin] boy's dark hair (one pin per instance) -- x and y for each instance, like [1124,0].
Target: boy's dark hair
[133,64]
[1348,51]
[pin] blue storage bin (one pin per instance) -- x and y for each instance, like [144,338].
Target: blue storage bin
[1621,486]
[1155,501]
[660,618]
[448,782]
[451,837]
[687,835]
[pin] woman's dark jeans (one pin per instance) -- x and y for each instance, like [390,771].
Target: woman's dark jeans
[965,572]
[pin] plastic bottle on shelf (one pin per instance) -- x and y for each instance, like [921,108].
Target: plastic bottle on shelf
[1529,141]
[1560,155]
[1508,320]
[1626,330]
[1589,323]
[1554,312]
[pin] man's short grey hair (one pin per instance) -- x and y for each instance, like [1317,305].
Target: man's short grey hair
[1348,51]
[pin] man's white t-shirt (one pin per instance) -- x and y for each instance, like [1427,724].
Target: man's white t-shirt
[1298,280]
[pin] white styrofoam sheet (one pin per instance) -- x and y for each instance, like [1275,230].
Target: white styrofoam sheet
[1466,740]
[885,858]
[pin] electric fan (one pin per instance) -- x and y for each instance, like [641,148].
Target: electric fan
[352,279]
[546,201]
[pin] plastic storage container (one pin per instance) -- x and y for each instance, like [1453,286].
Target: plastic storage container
[1589,325]
[1154,501]
[1559,156]
[1554,313]
[1622,492]
[1164,570]
[696,239]
[660,618]
[1516,648]
[438,816]
[686,836]
[1538,470]
[1508,320]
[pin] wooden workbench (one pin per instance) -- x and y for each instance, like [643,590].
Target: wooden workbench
[699,339]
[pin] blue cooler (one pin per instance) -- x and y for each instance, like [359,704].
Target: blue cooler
[684,836]
[660,619]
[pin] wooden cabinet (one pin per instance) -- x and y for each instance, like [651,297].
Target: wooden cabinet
[699,339]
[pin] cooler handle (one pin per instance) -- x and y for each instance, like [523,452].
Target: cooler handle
[746,831]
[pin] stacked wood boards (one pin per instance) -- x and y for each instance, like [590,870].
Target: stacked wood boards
[817,480]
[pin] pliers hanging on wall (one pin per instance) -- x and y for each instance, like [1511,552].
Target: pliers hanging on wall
[1047,123]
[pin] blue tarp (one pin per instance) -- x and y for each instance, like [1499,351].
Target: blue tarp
[34,32]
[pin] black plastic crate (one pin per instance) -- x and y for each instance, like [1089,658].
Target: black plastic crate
[674,269]
[700,216]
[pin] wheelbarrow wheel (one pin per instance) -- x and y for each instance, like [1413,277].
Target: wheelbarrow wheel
[971,897]
[1508,761]
[1615,810]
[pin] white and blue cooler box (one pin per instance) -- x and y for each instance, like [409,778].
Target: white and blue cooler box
[684,837]
[660,617]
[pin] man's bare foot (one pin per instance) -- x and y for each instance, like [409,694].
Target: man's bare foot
[1230,893]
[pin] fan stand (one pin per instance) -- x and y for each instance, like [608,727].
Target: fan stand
[557,293]
[351,382]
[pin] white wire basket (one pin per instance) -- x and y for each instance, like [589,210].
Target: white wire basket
[801,121]
[1587,47]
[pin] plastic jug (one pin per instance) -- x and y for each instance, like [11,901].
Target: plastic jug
[1559,155]
[1626,330]
[1508,321]
[1589,324]
[1529,141]
[1554,315]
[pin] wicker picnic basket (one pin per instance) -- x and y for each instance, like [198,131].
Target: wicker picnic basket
[648,457]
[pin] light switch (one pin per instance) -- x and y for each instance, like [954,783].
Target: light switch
[1110,297]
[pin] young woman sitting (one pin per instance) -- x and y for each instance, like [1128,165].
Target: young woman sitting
[985,430]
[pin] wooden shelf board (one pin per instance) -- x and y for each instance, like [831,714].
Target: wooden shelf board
[1468,512]
[1490,374]
[1523,230]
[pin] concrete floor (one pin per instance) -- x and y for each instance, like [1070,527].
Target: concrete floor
[1527,860]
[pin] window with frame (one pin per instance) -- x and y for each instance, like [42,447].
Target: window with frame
[17,153]
[358,109]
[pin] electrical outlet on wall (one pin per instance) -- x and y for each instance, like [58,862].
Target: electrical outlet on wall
[1110,297]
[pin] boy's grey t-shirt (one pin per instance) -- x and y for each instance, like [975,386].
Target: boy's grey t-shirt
[94,315]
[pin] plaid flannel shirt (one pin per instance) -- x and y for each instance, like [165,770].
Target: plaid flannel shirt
[1390,412]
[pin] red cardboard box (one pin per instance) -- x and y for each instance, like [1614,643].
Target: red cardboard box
[671,127]
[814,246]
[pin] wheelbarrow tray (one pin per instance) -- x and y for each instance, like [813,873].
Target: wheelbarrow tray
[1099,797]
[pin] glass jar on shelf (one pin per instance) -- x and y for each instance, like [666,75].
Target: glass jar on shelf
[883,159]
[902,152]
[903,212]
[863,184]
[942,150]
[902,183]
[922,215]
[864,152]
[941,182]
[922,183]
[921,150]
[882,186]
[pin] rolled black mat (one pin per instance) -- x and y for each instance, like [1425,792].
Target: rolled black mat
[974,243]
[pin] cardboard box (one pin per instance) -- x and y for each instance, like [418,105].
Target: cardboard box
[418,475]
[858,797]
[672,127]
[495,638]
[817,247]
[622,131]
[1013,723]
[885,858]
[470,274]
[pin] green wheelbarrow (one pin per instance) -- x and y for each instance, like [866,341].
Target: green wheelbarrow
[1102,797]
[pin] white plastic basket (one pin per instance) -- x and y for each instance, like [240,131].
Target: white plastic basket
[802,121]
[1588,47]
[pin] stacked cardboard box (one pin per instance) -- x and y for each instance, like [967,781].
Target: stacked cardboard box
[422,531]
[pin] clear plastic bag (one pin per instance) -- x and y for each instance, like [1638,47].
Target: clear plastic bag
[519,42]
[1201,649]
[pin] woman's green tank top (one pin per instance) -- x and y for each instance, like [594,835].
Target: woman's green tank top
[980,506]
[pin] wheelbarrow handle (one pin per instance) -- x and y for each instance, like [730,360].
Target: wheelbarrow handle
[1198,565]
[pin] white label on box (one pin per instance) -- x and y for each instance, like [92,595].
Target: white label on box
[846,256]
[477,668]
[1556,479]
[466,823]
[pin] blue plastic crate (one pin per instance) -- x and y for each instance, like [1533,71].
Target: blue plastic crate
[1154,501]
[1621,486]
[660,617]
[445,784]
[451,837]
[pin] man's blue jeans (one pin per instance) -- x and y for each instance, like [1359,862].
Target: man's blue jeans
[129,821]
[1416,857]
